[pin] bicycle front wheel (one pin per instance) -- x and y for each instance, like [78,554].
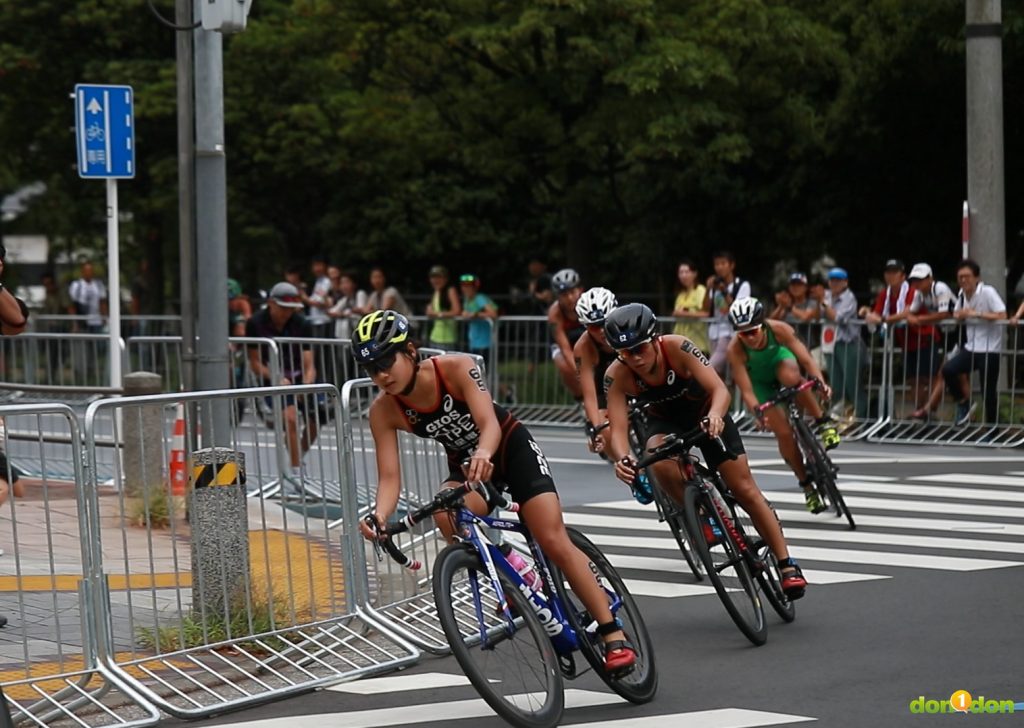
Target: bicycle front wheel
[769,577]
[673,516]
[725,564]
[822,470]
[514,669]
[640,685]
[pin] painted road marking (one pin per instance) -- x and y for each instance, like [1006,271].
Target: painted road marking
[933,491]
[904,522]
[401,683]
[1015,482]
[720,718]
[421,713]
[912,506]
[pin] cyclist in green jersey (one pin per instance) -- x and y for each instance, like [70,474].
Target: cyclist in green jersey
[765,355]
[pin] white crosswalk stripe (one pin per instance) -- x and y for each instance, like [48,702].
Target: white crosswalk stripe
[910,536]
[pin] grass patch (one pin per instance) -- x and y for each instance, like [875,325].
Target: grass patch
[151,507]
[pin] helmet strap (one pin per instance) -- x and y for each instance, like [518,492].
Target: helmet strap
[407,390]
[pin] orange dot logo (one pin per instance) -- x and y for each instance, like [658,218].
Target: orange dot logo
[961,701]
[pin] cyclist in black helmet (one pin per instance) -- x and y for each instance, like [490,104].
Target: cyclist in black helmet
[445,399]
[676,380]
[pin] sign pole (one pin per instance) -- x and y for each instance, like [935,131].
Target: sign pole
[113,284]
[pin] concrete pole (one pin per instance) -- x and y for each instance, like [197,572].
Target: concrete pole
[212,232]
[985,180]
[186,194]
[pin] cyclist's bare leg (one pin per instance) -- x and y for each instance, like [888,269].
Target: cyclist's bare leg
[567,371]
[778,422]
[668,474]
[309,434]
[542,514]
[788,374]
[473,501]
[291,434]
[740,481]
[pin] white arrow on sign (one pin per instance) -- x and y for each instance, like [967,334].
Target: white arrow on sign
[94,107]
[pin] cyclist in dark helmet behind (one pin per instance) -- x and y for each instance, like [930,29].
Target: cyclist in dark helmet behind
[445,399]
[765,355]
[566,327]
[593,355]
[682,391]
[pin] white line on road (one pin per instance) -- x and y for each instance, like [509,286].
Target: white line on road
[401,683]
[912,506]
[421,713]
[974,478]
[932,491]
[720,718]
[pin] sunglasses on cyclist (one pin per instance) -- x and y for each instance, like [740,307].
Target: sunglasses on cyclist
[379,366]
[634,350]
[749,333]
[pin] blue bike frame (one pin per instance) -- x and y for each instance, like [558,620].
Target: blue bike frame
[547,606]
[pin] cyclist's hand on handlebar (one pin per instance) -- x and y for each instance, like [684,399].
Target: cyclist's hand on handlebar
[369,532]
[713,425]
[826,391]
[760,421]
[625,469]
[480,466]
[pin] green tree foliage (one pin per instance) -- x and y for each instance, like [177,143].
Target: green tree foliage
[617,135]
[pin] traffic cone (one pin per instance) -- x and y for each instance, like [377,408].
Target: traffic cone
[177,469]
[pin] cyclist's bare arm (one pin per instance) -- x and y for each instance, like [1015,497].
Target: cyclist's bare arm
[583,353]
[618,384]
[466,381]
[385,422]
[738,362]
[555,318]
[308,367]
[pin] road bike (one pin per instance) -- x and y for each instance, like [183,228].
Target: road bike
[516,639]
[738,562]
[819,465]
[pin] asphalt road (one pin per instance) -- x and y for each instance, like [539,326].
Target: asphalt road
[924,599]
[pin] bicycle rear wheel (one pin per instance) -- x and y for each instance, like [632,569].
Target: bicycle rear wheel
[640,685]
[673,516]
[515,670]
[770,577]
[725,565]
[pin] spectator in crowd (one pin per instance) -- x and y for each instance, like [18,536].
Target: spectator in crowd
[480,312]
[349,300]
[839,307]
[319,298]
[931,302]
[13,320]
[892,299]
[690,304]
[444,309]
[239,308]
[55,303]
[566,327]
[89,300]
[334,275]
[978,306]
[723,288]
[1015,319]
[797,308]
[383,297]
[283,318]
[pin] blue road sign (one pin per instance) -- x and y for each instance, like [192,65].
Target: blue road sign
[105,131]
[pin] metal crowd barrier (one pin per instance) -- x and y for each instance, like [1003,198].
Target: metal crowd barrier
[45,365]
[149,325]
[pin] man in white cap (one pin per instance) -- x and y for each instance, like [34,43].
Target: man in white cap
[933,301]
[283,318]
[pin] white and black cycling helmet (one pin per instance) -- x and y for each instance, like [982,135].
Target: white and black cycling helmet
[565,280]
[594,305]
[630,325]
[746,313]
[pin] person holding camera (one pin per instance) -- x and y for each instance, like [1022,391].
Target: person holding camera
[724,287]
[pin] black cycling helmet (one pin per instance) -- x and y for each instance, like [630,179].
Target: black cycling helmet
[379,334]
[630,325]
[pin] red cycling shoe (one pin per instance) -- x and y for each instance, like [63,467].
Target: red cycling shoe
[619,658]
[793,582]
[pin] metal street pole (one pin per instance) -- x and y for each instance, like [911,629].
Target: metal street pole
[186,194]
[212,370]
[985,179]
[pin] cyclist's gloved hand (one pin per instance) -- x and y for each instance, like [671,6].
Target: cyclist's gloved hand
[369,532]
[625,469]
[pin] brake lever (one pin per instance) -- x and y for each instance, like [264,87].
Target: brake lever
[372,523]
